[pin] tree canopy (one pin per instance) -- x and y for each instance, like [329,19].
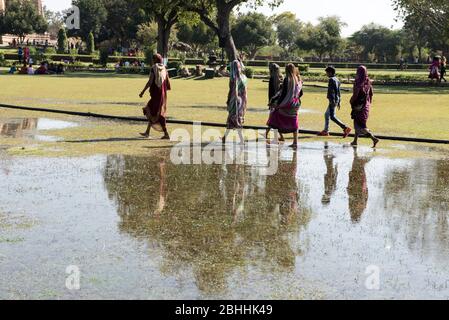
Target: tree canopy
[252,32]
[23,18]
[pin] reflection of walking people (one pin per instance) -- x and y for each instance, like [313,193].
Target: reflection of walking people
[361,104]
[358,188]
[237,100]
[284,116]
[156,109]
[330,178]
[334,97]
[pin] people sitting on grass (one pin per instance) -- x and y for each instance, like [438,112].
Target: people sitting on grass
[185,72]
[24,69]
[223,72]
[13,69]
[30,70]
[334,98]
[60,69]
[43,69]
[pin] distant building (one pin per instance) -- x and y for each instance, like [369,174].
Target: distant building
[32,38]
[38,4]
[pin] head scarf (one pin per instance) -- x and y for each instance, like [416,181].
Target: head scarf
[362,81]
[160,72]
[275,75]
[293,90]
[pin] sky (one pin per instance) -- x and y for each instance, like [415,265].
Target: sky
[355,13]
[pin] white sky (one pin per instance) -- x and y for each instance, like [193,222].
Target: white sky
[355,13]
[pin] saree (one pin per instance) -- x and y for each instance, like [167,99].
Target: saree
[156,109]
[237,97]
[284,117]
[361,99]
[435,70]
[275,83]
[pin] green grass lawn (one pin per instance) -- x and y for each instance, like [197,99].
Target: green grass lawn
[417,112]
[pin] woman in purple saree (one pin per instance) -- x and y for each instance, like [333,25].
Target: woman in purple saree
[361,104]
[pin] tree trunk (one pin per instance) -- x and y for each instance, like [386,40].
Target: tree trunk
[163,31]
[224,30]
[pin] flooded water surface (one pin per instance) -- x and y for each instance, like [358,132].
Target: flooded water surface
[32,127]
[332,222]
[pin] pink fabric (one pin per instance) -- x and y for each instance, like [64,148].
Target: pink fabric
[362,94]
[284,118]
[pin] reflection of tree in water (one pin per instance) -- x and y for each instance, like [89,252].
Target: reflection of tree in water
[418,193]
[358,188]
[214,218]
[16,128]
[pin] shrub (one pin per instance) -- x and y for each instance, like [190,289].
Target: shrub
[303,68]
[62,40]
[90,43]
[50,51]
[249,72]
[104,55]
[2,59]
[149,52]
[174,65]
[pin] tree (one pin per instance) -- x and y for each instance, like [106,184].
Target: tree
[2,25]
[378,41]
[324,38]
[92,19]
[90,43]
[147,33]
[23,18]
[122,22]
[62,40]
[196,34]
[217,15]
[166,13]
[288,28]
[252,32]
[434,14]
[55,21]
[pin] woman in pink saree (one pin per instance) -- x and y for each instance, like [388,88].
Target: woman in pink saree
[156,109]
[284,114]
[361,104]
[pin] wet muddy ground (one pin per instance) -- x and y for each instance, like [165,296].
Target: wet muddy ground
[328,223]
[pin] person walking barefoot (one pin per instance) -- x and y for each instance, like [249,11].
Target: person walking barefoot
[237,101]
[334,97]
[361,104]
[284,116]
[156,109]
[274,91]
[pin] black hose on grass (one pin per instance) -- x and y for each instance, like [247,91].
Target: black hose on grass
[206,124]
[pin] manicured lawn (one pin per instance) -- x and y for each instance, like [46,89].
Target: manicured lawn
[419,112]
